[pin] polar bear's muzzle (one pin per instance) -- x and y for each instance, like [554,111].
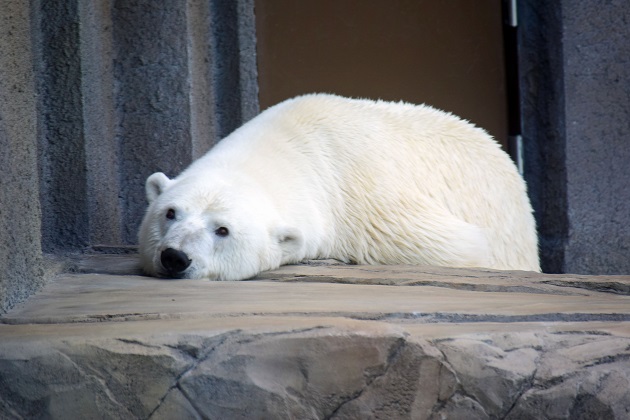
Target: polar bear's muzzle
[175,262]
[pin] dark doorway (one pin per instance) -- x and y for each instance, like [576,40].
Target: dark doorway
[448,54]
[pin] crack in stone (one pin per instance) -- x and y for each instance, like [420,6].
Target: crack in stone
[418,317]
[439,317]
[459,387]
[134,316]
[392,356]
[250,338]
[198,358]
[444,317]
[607,360]
[98,379]
[584,332]
[191,401]
[7,407]
[600,286]
[526,387]
[441,403]
[137,343]
[558,380]
[410,281]
[204,355]
[488,288]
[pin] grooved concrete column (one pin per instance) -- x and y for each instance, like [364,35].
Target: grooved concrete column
[234,63]
[597,105]
[21,268]
[65,221]
[542,103]
[127,88]
[575,70]
[185,77]
[99,122]
[152,96]
[97,95]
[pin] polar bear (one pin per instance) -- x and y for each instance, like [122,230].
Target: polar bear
[361,181]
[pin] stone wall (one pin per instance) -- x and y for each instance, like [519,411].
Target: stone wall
[96,96]
[319,341]
[597,121]
[21,266]
[576,107]
[128,88]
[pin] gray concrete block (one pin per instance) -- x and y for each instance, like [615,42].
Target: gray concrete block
[21,264]
[576,102]
[320,341]
[151,71]
[63,165]
[100,122]
[126,89]
[597,104]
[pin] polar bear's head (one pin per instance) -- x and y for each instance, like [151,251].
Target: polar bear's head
[218,229]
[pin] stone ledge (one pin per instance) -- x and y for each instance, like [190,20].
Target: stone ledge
[319,341]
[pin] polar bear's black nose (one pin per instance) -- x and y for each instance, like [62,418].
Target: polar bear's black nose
[174,261]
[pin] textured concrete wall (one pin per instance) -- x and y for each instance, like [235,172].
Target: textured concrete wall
[542,104]
[95,97]
[576,105]
[63,166]
[21,268]
[99,122]
[152,96]
[597,105]
[234,30]
[127,88]
[185,77]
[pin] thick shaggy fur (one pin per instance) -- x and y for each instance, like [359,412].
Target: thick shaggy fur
[320,176]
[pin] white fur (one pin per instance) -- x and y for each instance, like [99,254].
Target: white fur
[320,176]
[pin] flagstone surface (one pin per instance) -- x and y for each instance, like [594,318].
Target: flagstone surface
[318,340]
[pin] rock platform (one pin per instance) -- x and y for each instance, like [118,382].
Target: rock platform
[320,341]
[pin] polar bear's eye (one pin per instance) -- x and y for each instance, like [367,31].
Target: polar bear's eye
[170,214]
[222,231]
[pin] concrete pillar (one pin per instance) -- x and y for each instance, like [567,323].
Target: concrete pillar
[152,97]
[21,265]
[128,88]
[597,104]
[97,95]
[63,166]
[576,90]
[99,117]
[542,104]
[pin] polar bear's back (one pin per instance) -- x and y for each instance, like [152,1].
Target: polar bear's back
[403,183]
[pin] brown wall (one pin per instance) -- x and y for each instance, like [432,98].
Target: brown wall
[447,54]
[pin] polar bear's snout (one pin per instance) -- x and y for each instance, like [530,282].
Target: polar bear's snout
[174,261]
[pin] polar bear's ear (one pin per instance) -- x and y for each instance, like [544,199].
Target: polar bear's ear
[155,185]
[290,241]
